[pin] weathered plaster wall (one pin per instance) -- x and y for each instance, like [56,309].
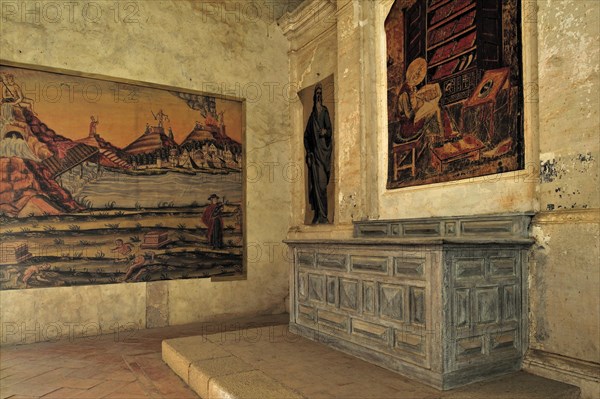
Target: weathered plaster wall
[565,271]
[210,47]
[569,62]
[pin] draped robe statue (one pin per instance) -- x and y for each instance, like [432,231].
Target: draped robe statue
[317,143]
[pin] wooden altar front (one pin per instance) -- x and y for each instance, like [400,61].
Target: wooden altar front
[440,300]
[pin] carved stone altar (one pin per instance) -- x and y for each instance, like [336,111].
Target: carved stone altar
[440,300]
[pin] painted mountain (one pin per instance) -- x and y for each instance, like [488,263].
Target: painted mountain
[27,186]
[154,139]
[37,155]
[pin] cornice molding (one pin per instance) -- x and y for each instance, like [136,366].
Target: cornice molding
[317,16]
[568,216]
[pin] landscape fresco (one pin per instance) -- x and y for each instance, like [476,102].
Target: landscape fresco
[455,90]
[106,182]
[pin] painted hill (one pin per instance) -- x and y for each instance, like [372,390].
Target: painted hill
[200,133]
[110,155]
[223,139]
[152,140]
[27,188]
[212,133]
[57,144]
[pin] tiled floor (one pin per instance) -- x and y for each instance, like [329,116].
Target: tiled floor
[307,369]
[128,366]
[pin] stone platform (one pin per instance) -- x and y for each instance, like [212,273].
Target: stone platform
[271,362]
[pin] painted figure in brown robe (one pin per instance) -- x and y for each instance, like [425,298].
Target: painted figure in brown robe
[213,219]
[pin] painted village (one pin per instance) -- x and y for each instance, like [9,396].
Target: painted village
[85,211]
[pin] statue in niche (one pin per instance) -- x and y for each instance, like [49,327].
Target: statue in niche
[318,146]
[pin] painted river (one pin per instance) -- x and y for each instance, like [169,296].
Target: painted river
[129,191]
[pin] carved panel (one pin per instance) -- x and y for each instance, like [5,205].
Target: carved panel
[413,341]
[331,319]
[349,294]
[391,301]
[371,331]
[409,267]
[450,228]
[371,264]
[424,229]
[331,261]
[509,303]
[368,302]
[417,305]
[462,307]
[302,286]
[306,314]
[316,287]
[332,290]
[503,341]
[503,266]
[306,259]
[468,268]
[371,230]
[486,303]
[468,347]
[487,227]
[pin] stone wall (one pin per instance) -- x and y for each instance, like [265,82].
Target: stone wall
[565,271]
[212,47]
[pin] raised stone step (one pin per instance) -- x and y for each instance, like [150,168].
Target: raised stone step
[272,363]
[213,372]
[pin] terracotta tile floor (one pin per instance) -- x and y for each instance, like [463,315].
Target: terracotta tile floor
[126,366]
[131,367]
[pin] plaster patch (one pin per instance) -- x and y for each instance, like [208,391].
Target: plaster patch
[586,161]
[543,240]
[548,171]
[348,204]
[308,68]
[547,156]
[357,7]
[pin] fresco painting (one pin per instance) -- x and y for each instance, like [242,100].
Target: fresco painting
[109,182]
[455,92]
